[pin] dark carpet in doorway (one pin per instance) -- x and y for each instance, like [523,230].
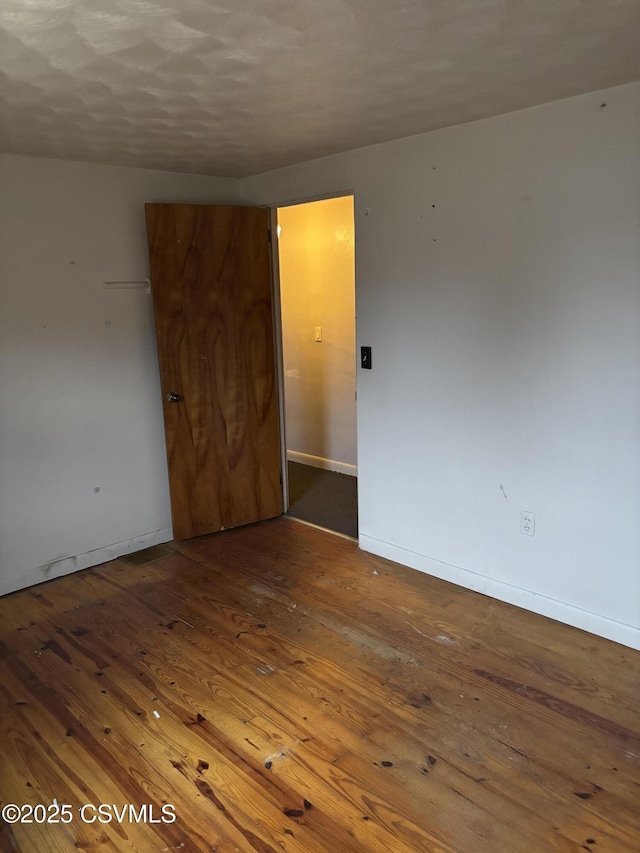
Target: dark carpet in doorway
[325,498]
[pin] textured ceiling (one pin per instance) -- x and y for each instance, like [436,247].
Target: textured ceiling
[238,87]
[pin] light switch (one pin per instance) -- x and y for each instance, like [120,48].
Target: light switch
[318,334]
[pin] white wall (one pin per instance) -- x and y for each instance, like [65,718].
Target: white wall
[79,390]
[317,289]
[497,280]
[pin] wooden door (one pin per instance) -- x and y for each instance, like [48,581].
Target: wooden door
[211,285]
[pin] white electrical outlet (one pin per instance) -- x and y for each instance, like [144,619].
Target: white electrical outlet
[528,523]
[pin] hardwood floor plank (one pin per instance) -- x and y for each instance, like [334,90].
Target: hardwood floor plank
[283,690]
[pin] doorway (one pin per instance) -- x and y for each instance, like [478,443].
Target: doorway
[316,259]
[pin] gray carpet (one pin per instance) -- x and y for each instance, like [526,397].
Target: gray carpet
[325,498]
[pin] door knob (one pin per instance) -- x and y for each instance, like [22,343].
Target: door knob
[173,397]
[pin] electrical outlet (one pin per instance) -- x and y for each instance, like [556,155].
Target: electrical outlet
[528,523]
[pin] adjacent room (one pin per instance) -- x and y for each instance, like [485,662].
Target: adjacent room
[316,266]
[395,244]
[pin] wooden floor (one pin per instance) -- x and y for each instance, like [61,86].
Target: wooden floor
[284,691]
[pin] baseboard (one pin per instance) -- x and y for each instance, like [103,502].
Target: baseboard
[320,462]
[619,632]
[67,565]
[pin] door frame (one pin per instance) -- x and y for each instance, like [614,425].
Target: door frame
[277,323]
[279,351]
